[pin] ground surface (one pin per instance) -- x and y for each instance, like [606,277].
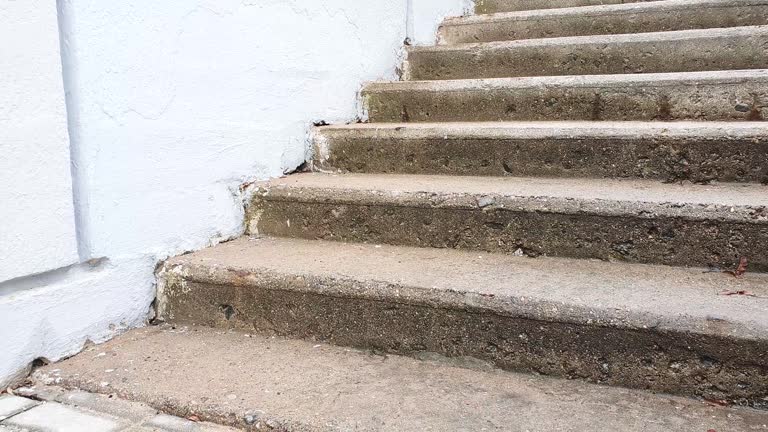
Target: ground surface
[55,410]
[263,383]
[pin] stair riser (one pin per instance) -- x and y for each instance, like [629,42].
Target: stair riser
[650,157]
[656,240]
[728,101]
[736,52]
[650,20]
[706,366]
[496,6]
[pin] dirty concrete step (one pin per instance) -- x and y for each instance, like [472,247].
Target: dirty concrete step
[677,51]
[674,151]
[496,6]
[649,327]
[714,95]
[630,220]
[605,19]
[261,383]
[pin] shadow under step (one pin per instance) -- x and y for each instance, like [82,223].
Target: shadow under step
[649,327]
[633,221]
[608,19]
[715,95]
[674,151]
[678,51]
[261,383]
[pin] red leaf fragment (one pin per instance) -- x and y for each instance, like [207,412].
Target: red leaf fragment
[740,269]
[716,402]
[194,418]
[740,292]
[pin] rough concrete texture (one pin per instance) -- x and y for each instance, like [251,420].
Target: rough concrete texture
[717,95]
[681,51]
[658,328]
[263,384]
[11,405]
[496,6]
[633,221]
[60,418]
[53,409]
[700,152]
[607,19]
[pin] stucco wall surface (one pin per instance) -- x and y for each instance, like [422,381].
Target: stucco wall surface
[37,227]
[425,17]
[176,104]
[171,108]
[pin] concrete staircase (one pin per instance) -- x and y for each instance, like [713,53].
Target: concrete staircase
[569,192]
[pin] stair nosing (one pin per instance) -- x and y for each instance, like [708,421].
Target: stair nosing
[620,38]
[645,199]
[544,129]
[595,10]
[582,81]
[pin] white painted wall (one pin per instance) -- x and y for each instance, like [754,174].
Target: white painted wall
[37,227]
[172,106]
[178,103]
[425,17]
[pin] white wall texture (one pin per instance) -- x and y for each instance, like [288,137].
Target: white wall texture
[172,106]
[37,228]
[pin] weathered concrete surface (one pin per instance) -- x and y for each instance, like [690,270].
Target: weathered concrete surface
[496,6]
[607,19]
[723,95]
[289,385]
[658,328]
[633,221]
[59,410]
[680,51]
[696,151]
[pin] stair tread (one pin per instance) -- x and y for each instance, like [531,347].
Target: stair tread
[511,129]
[550,289]
[597,10]
[625,197]
[228,377]
[714,49]
[658,36]
[497,6]
[608,80]
[604,19]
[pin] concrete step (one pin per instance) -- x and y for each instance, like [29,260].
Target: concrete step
[635,221]
[259,383]
[496,6]
[678,51]
[696,151]
[715,95]
[608,19]
[649,327]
